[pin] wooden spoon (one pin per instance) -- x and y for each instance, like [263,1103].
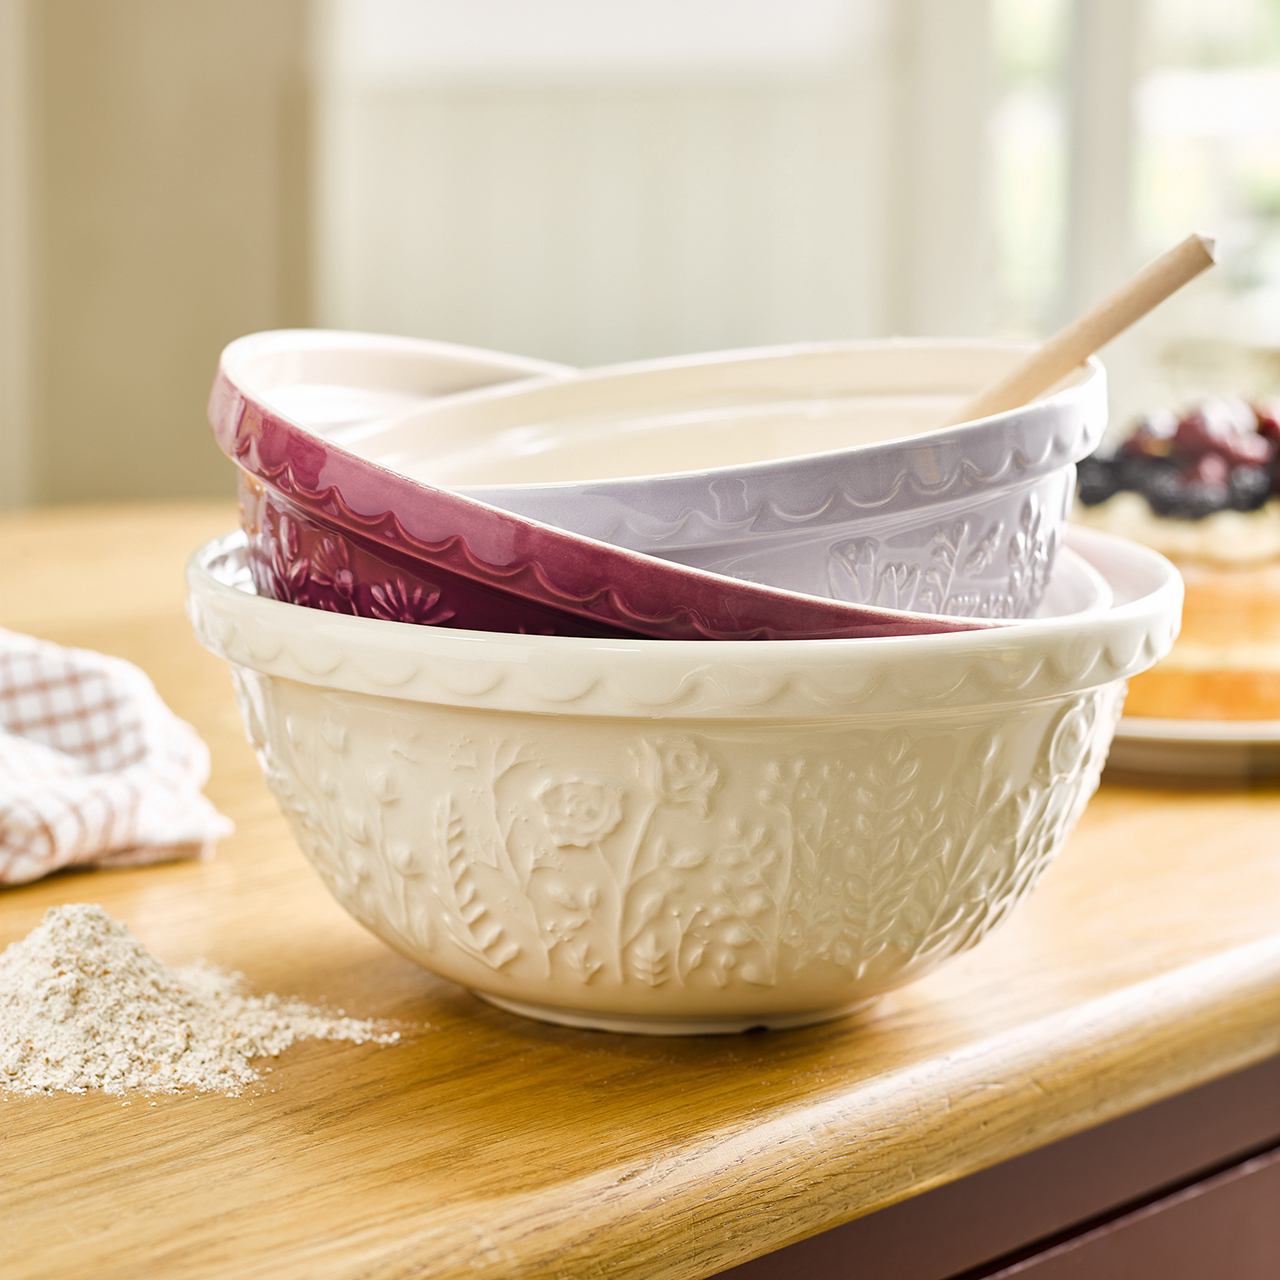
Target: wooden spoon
[1073,345]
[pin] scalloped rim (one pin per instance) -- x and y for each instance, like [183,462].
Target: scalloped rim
[1036,659]
[1012,447]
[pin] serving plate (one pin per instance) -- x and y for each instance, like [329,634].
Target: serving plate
[1218,750]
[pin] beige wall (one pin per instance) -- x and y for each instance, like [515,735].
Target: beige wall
[168,198]
[15,318]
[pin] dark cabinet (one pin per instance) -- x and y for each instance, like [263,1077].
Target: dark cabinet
[1224,1227]
[1187,1189]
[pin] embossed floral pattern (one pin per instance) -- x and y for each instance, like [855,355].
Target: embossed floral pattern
[684,773]
[580,813]
[287,571]
[955,579]
[989,563]
[331,567]
[870,851]
[1031,553]
[959,550]
[1071,738]
[395,601]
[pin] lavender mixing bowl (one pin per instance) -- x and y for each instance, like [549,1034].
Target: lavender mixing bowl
[817,468]
[334,530]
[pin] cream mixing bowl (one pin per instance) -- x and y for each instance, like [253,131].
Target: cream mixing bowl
[680,837]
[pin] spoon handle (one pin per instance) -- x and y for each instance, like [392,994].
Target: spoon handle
[1073,345]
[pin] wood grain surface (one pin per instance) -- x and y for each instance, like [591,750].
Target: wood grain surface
[486,1145]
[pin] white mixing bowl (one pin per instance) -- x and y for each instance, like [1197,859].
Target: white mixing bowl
[681,837]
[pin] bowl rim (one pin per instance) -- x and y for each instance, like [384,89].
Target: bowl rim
[1087,382]
[1024,660]
[304,343]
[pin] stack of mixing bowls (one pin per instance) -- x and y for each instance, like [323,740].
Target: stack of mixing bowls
[685,696]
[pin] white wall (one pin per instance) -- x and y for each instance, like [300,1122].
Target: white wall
[596,180]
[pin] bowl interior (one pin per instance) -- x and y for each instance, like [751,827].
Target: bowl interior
[586,449]
[1075,588]
[336,383]
[716,414]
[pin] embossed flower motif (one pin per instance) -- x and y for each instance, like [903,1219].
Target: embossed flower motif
[331,567]
[580,813]
[287,572]
[393,601]
[1071,739]
[684,773]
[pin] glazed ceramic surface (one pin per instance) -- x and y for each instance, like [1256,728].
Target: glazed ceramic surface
[331,530]
[678,837]
[818,469]
[339,385]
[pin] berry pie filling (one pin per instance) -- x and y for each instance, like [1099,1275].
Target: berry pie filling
[1204,489]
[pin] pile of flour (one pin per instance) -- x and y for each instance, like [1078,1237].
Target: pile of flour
[83,1005]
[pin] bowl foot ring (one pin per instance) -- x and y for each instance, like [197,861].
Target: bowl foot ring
[668,1025]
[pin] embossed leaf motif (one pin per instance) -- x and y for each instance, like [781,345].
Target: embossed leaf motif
[334,735]
[585,900]
[480,912]
[649,904]
[403,858]
[1005,850]
[966,875]
[649,961]
[1031,553]
[955,547]
[894,822]
[354,824]
[898,585]
[809,794]
[852,569]
[686,859]
[985,550]
[382,786]
[861,570]
[580,813]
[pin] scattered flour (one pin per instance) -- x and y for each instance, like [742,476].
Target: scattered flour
[83,1005]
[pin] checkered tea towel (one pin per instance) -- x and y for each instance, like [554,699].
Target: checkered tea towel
[94,768]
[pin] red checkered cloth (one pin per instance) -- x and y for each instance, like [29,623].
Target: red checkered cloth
[94,768]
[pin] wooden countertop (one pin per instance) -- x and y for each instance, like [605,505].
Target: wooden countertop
[1147,962]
